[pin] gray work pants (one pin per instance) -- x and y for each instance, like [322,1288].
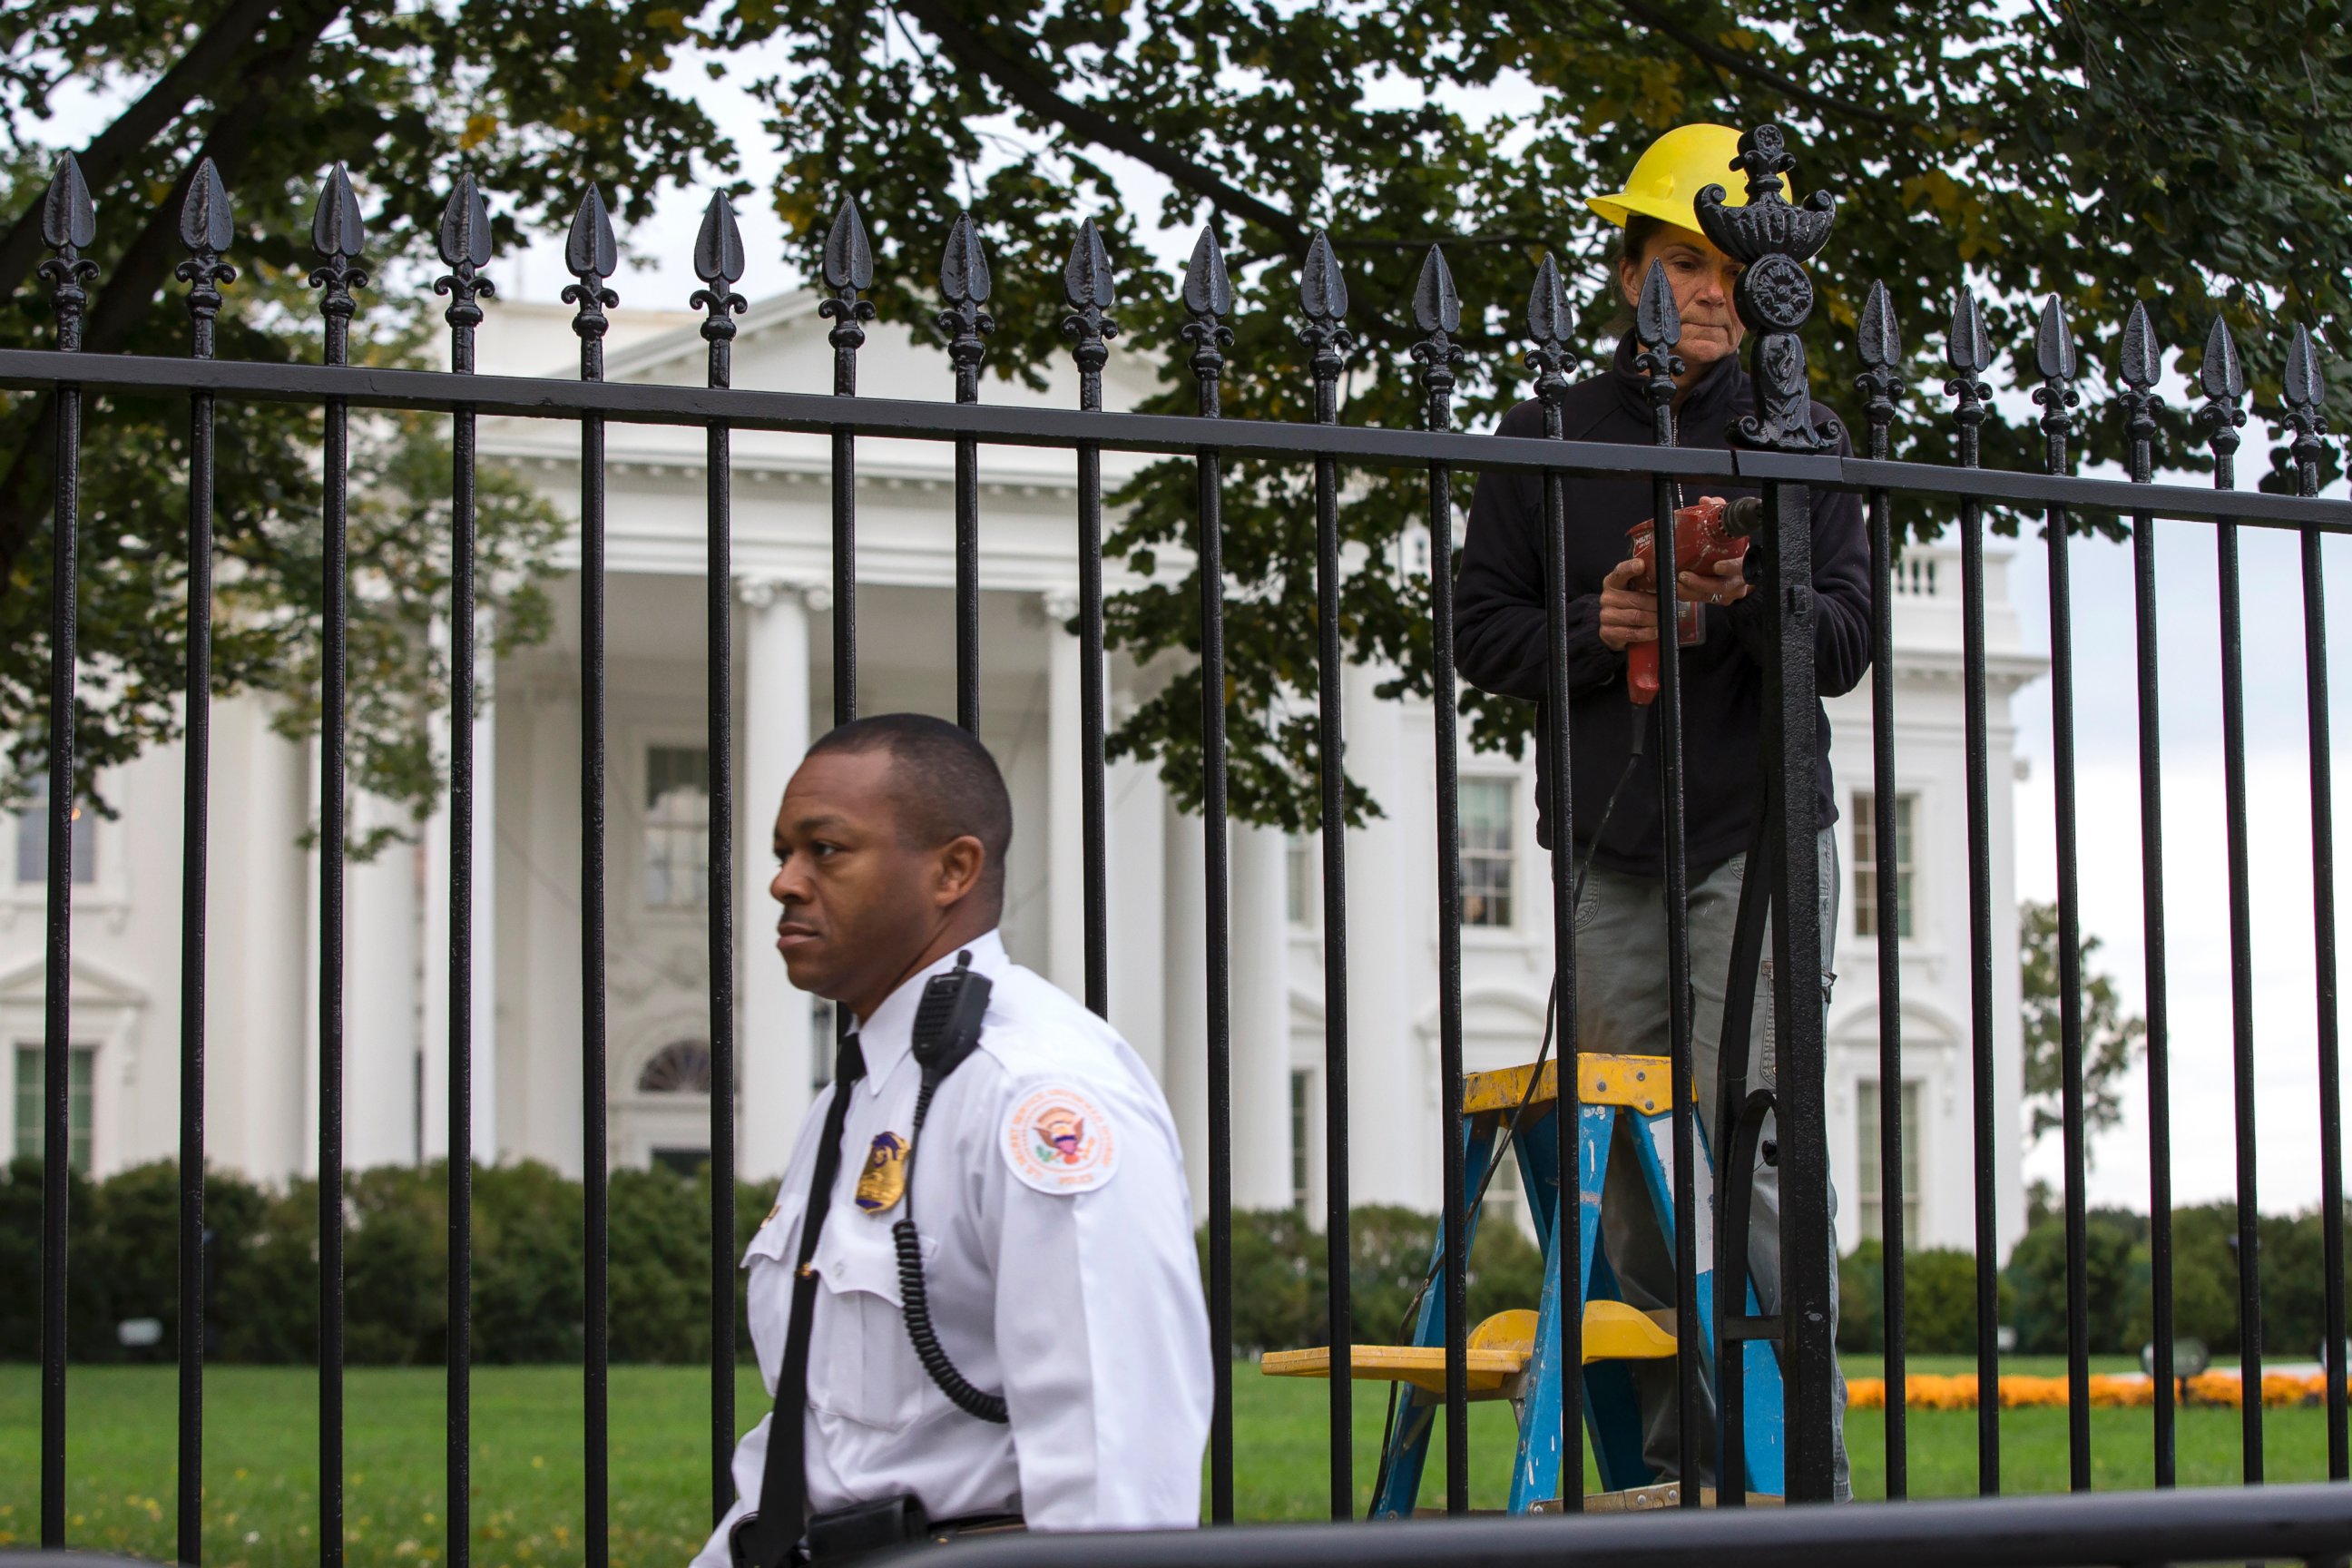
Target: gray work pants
[1620,1009]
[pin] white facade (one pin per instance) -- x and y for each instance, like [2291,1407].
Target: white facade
[261,1086]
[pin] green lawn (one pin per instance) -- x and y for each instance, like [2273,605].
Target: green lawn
[261,1448]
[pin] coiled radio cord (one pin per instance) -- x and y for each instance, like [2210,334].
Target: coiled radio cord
[914,1294]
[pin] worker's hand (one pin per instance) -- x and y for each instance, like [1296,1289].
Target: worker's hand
[1724,586]
[1629,612]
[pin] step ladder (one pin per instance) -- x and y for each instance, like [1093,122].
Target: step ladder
[1515,1354]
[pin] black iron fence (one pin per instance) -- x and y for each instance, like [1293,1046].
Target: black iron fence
[1779,449]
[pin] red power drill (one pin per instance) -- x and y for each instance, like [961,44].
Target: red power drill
[1708,530]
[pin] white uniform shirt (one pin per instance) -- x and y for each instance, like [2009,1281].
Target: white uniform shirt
[1063,1276]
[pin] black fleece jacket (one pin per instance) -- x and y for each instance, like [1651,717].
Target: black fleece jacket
[1499,643]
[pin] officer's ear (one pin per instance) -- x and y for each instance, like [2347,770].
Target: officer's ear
[962,862]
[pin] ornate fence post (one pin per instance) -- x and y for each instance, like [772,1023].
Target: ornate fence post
[1774,238]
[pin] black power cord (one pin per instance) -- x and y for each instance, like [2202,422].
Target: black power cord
[1511,1130]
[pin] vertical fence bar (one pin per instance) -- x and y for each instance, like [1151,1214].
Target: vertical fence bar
[1881,385]
[206,228]
[591,255]
[337,235]
[718,262]
[2304,393]
[1774,297]
[1437,310]
[465,249]
[1967,354]
[964,278]
[1086,287]
[2055,356]
[1658,327]
[1548,324]
[1208,300]
[2139,371]
[2223,382]
[68,225]
[1324,293]
[847,268]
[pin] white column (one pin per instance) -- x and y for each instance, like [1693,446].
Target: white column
[1260,967]
[1065,851]
[434,1043]
[1391,1153]
[1184,1045]
[772,1034]
[380,995]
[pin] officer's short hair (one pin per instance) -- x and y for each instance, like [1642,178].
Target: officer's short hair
[943,785]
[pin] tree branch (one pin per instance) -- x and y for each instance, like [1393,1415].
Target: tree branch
[191,77]
[1021,82]
[1739,64]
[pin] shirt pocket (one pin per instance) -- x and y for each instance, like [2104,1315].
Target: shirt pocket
[862,1367]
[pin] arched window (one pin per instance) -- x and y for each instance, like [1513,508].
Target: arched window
[682,1066]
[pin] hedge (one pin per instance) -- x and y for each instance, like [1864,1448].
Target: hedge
[528,1289]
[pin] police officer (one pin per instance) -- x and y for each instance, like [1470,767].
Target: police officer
[1041,1203]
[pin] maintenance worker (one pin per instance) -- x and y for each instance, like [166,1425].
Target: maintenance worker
[1054,1278]
[1500,646]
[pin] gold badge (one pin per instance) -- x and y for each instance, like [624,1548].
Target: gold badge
[884,1181]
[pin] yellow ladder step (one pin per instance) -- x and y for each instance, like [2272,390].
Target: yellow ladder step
[1497,1351]
[1637,1083]
[1615,1332]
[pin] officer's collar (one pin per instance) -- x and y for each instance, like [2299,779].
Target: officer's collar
[886,1037]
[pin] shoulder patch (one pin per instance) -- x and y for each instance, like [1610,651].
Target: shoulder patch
[1058,1139]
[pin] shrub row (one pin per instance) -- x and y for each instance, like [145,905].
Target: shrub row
[527,1294]
[1939,1287]
[262,1290]
[528,1301]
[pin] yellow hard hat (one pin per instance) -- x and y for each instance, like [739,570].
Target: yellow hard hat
[1668,177]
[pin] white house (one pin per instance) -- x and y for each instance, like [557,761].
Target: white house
[260,989]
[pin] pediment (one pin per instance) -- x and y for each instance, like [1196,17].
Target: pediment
[94,984]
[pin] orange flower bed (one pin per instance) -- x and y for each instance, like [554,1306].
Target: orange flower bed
[2126,1391]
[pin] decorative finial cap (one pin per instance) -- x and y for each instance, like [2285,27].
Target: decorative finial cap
[1436,307]
[335,227]
[719,244]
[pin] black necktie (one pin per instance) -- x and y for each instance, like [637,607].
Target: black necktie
[783,1485]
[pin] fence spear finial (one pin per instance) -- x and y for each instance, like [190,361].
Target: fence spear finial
[1208,300]
[208,228]
[1087,288]
[965,284]
[337,235]
[465,245]
[69,226]
[2222,379]
[1657,328]
[1437,310]
[1323,293]
[592,255]
[2305,391]
[2139,366]
[2053,355]
[1881,381]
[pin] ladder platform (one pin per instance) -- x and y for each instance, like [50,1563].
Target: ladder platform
[1637,1083]
[1499,1351]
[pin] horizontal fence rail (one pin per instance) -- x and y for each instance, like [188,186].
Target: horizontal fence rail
[1798,464]
[2310,1524]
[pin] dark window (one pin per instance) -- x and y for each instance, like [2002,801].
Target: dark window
[81,1078]
[677,828]
[682,1066]
[33,839]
